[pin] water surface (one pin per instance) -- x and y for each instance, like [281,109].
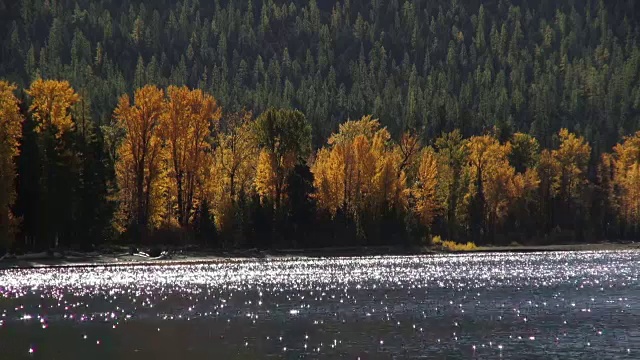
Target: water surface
[516,306]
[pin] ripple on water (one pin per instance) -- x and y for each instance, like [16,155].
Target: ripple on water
[570,304]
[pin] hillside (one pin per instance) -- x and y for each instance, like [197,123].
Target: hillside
[531,66]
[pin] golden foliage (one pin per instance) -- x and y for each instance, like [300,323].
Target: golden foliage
[234,168]
[424,189]
[139,166]
[266,179]
[10,134]
[348,131]
[362,171]
[452,245]
[570,162]
[627,178]
[501,186]
[10,120]
[51,103]
[186,126]
[329,178]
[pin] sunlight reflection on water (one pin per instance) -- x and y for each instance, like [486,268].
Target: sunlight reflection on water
[557,304]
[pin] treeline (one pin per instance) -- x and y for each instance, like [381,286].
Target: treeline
[175,168]
[432,66]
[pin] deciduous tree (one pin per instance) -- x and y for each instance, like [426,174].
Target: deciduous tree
[627,179]
[572,159]
[51,107]
[186,127]
[235,159]
[10,134]
[51,104]
[139,162]
[424,190]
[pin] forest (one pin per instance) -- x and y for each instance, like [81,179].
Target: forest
[302,124]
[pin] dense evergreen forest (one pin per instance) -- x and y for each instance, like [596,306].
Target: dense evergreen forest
[497,121]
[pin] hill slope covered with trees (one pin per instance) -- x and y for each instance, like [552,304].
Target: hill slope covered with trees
[496,120]
[532,66]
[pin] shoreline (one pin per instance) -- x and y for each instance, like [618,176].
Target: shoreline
[106,259]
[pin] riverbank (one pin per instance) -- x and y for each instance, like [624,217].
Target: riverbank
[119,256]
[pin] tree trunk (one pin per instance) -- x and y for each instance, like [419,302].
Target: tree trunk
[181,206]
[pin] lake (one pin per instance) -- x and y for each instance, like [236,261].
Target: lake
[515,306]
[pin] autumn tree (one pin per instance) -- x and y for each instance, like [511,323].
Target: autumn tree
[285,139]
[424,190]
[235,157]
[627,180]
[495,185]
[345,172]
[186,127]
[390,179]
[51,105]
[10,134]
[570,162]
[139,161]
[572,159]
[362,173]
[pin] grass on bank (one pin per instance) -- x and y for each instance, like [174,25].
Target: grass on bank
[449,245]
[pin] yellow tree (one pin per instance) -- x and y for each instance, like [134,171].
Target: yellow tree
[10,134]
[424,189]
[329,178]
[626,178]
[390,178]
[51,104]
[186,127]
[361,171]
[495,186]
[571,159]
[367,126]
[139,162]
[343,172]
[267,180]
[631,195]
[235,159]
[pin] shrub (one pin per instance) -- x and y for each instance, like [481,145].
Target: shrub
[452,245]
